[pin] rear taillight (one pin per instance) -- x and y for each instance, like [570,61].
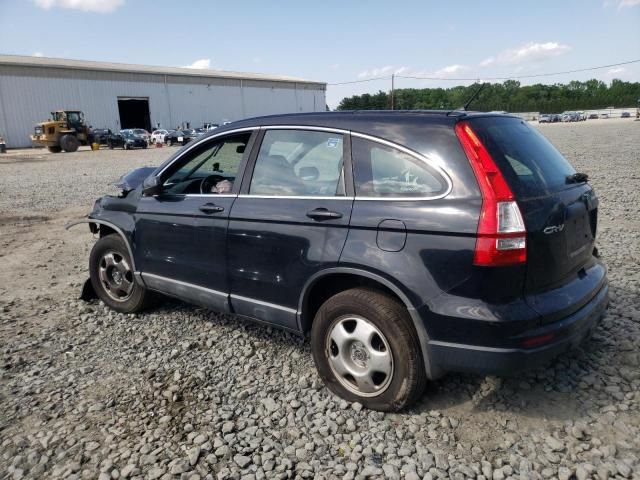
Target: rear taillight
[502,236]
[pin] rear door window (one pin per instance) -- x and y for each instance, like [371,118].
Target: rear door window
[530,163]
[299,163]
[384,171]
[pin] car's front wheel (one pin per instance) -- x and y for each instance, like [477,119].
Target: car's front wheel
[111,272]
[366,349]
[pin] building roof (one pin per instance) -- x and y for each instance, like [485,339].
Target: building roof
[48,62]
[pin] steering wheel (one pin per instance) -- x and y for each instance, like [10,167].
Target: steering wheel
[209,182]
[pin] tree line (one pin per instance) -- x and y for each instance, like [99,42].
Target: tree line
[509,96]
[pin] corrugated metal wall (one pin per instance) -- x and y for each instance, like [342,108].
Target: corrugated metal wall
[29,94]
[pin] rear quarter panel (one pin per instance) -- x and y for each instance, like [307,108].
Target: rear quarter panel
[440,233]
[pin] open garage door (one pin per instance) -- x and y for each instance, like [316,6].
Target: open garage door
[134,113]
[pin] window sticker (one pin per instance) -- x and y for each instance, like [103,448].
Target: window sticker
[332,142]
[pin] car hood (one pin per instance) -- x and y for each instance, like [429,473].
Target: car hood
[130,181]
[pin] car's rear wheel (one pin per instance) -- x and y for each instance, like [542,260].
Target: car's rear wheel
[69,143]
[366,350]
[112,276]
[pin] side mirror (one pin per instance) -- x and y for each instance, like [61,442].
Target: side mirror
[151,186]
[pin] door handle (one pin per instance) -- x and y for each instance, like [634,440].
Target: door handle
[211,208]
[321,214]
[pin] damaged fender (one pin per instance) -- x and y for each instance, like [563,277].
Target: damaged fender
[88,293]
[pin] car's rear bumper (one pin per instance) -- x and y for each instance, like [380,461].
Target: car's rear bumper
[562,335]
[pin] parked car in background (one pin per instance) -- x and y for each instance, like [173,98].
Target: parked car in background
[126,139]
[99,135]
[180,137]
[315,223]
[544,118]
[210,126]
[570,116]
[582,116]
[593,116]
[201,131]
[556,117]
[158,135]
[604,116]
[625,115]
[142,132]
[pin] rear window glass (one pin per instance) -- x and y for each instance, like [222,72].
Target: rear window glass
[530,163]
[382,171]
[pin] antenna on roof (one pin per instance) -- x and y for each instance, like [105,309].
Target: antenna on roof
[473,97]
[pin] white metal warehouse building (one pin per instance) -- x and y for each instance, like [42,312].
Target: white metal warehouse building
[115,96]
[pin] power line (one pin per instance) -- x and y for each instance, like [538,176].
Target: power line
[474,79]
[523,76]
[361,81]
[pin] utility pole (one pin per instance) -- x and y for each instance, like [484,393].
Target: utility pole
[392,89]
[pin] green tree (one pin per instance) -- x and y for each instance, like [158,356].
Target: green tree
[509,95]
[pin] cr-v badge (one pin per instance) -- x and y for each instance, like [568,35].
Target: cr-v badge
[554,229]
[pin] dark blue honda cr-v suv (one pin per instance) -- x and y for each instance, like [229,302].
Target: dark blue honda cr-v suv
[407,244]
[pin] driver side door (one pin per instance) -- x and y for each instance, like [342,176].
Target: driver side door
[180,236]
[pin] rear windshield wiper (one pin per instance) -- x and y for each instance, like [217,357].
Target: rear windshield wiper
[577,178]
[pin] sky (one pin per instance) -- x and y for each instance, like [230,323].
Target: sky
[339,41]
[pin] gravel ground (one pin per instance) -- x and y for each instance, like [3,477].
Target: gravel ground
[183,393]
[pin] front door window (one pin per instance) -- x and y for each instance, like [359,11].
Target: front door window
[209,169]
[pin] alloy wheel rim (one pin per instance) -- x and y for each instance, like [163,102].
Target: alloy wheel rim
[116,276]
[359,356]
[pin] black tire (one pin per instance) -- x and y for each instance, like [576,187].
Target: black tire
[139,297]
[55,149]
[407,380]
[69,143]
[145,146]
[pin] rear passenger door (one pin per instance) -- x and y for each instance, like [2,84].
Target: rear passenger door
[290,220]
